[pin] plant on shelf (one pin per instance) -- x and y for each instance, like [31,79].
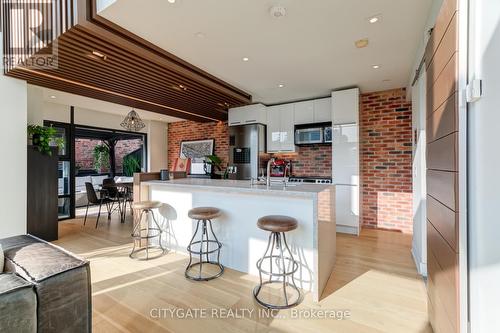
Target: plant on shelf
[43,138]
[101,157]
[131,164]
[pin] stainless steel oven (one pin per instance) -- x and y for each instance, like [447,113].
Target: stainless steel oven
[305,136]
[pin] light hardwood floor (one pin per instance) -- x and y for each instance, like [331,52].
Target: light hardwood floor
[375,281]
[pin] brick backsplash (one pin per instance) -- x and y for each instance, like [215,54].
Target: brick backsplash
[385,161]
[310,161]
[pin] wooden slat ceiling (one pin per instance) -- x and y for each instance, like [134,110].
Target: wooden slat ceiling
[133,72]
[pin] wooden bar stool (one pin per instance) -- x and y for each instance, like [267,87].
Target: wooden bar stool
[205,247]
[278,225]
[144,210]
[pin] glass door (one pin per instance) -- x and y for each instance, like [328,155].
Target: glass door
[65,193]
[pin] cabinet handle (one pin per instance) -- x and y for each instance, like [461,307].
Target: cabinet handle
[251,121]
[234,123]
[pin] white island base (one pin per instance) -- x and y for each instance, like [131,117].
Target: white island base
[312,243]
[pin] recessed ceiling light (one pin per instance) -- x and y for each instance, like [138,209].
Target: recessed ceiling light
[281,85]
[99,55]
[200,34]
[223,104]
[374,18]
[179,87]
[361,43]
[376,66]
[53,97]
[245,59]
[171,1]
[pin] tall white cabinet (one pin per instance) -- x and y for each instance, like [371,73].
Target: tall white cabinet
[345,159]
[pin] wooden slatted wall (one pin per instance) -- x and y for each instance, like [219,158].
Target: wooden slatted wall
[442,171]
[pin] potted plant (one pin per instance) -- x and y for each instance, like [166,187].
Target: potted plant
[101,158]
[131,164]
[43,138]
[216,163]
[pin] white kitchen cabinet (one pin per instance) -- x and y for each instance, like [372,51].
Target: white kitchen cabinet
[314,111]
[273,128]
[287,128]
[345,106]
[304,112]
[345,159]
[280,128]
[249,114]
[322,110]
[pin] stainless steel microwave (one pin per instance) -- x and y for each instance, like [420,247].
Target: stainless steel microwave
[306,136]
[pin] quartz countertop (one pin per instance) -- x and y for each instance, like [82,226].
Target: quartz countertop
[241,186]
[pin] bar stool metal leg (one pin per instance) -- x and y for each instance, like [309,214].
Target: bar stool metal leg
[277,240]
[137,235]
[204,241]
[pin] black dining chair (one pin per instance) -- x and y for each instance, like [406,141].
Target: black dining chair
[118,194]
[93,199]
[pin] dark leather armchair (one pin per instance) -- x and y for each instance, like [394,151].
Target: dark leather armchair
[48,279]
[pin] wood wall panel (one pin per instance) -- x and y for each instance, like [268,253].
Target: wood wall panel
[442,185]
[442,264]
[447,47]
[444,220]
[440,316]
[446,13]
[442,153]
[444,86]
[441,58]
[443,121]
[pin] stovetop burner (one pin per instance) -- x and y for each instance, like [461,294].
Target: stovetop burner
[311,180]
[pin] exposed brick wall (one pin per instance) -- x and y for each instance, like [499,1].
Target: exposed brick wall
[386,160]
[191,130]
[123,148]
[84,157]
[84,152]
[310,161]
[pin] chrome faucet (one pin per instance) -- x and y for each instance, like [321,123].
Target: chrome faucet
[287,170]
[268,174]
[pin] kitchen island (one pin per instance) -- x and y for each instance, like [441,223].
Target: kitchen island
[242,203]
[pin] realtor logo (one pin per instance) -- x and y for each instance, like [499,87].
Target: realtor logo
[27,33]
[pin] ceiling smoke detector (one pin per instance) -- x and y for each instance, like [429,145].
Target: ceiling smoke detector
[277,11]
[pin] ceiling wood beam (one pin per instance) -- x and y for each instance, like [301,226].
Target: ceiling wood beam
[130,70]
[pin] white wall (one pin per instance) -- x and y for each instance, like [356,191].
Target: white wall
[430,22]
[484,166]
[419,240]
[13,106]
[158,153]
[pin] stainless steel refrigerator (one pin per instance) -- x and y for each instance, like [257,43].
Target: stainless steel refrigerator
[247,145]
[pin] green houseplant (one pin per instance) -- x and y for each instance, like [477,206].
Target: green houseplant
[131,164]
[43,138]
[216,163]
[101,157]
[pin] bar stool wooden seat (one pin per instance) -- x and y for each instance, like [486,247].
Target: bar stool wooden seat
[205,247]
[278,225]
[144,232]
